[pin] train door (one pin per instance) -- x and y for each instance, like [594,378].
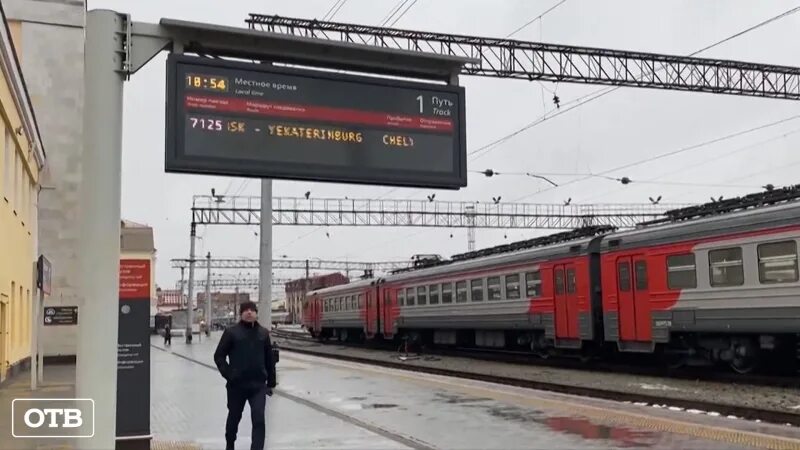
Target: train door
[566,301]
[316,313]
[386,314]
[633,298]
[371,325]
[641,289]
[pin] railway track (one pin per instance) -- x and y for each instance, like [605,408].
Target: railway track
[744,412]
[520,357]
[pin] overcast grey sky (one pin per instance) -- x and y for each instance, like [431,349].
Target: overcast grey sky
[625,126]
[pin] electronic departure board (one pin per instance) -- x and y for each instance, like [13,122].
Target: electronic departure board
[259,120]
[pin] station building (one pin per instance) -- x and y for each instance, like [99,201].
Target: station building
[22,160]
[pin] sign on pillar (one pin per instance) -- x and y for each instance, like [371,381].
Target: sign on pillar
[133,354]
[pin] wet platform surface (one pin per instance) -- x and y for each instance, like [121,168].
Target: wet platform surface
[322,403]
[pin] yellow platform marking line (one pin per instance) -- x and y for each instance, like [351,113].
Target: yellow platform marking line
[628,418]
[173,445]
[154,445]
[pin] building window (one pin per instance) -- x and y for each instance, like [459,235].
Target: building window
[434,293]
[725,267]
[410,297]
[624,276]
[18,183]
[533,284]
[8,164]
[422,295]
[640,268]
[512,286]
[477,290]
[777,262]
[461,292]
[447,292]
[681,272]
[493,288]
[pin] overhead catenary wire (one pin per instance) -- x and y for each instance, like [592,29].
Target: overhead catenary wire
[392,12]
[745,148]
[604,91]
[330,13]
[539,17]
[623,180]
[670,153]
[408,8]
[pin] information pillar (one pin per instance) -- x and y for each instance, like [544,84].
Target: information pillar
[133,355]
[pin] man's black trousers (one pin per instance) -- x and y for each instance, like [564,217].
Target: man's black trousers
[257,397]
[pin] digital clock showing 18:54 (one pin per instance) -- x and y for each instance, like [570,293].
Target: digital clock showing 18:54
[205,82]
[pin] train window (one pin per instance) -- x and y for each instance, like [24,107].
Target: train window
[571,288]
[360,301]
[640,267]
[559,281]
[533,284]
[341,304]
[624,276]
[447,293]
[351,303]
[476,287]
[410,297]
[512,286]
[725,267]
[681,273]
[422,295]
[461,292]
[777,262]
[493,288]
[401,297]
[434,293]
[325,305]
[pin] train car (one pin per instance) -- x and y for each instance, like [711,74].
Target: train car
[714,283]
[722,288]
[340,312]
[539,297]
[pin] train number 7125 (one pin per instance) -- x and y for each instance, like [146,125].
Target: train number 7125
[206,124]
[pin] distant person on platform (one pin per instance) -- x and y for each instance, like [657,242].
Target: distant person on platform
[250,373]
[167,336]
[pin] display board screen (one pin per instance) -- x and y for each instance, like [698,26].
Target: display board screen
[260,120]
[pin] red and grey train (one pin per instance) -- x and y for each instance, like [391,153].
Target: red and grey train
[721,288]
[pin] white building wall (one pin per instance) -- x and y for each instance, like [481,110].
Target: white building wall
[50,48]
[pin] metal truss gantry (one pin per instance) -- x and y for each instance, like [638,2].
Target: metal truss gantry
[208,210]
[304,264]
[245,283]
[508,58]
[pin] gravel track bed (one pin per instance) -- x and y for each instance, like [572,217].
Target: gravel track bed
[781,399]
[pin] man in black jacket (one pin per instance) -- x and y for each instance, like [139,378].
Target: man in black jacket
[250,374]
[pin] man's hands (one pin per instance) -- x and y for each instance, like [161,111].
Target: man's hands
[269,392]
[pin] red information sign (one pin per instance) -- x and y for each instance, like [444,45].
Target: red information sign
[134,279]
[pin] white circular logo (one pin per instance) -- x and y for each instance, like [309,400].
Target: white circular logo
[50,311]
[126,309]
